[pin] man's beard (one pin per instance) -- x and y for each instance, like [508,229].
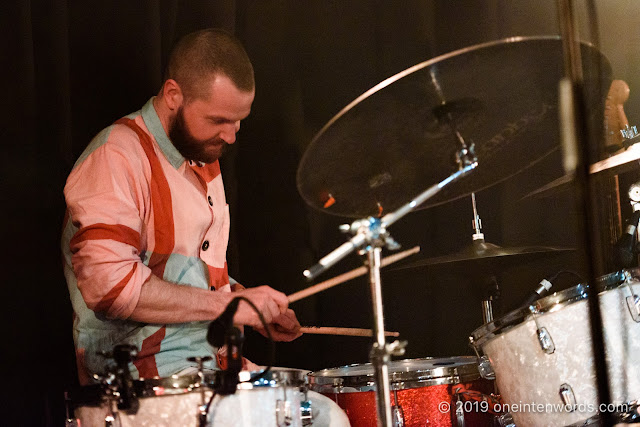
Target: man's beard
[190,147]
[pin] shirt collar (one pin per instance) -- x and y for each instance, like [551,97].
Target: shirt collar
[152,121]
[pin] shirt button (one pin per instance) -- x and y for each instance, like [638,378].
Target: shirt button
[205,245]
[210,201]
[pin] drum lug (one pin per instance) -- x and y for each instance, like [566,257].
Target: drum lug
[397,413]
[633,301]
[284,417]
[568,398]
[484,364]
[631,414]
[544,337]
[485,369]
[505,420]
[459,404]
[306,411]
[546,342]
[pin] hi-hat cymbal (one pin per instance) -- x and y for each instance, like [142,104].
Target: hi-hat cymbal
[397,139]
[483,254]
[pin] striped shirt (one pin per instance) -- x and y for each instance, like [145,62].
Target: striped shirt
[136,207]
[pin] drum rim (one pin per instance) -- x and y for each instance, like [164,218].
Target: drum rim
[174,385]
[548,304]
[438,375]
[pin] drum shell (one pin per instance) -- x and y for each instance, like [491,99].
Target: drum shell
[526,374]
[420,397]
[175,401]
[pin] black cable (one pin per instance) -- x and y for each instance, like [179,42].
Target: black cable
[567,272]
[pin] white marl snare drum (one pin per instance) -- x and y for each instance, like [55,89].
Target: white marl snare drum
[280,398]
[543,360]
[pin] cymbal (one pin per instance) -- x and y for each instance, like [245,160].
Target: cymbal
[553,188]
[397,139]
[616,164]
[620,162]
[483,254]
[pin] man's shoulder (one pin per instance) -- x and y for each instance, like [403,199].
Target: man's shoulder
[117,138]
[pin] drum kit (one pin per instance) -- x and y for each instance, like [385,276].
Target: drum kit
[462,122]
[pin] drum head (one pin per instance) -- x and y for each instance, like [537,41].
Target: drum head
[550,303]
[402,373]
[273,378]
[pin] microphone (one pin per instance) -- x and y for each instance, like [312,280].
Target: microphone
[127,399]
[222,332]
[539,292]
[220,326]
[623,250]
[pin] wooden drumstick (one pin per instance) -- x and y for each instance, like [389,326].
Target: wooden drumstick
[352,332]
[360,271]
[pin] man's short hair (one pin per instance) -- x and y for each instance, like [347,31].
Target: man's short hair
[204,54]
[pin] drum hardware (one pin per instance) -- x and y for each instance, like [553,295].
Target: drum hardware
[624,250]
[370,236]
[306,409]
[484,364]
[544,337]
[284,416]
[69,421]
[396,410]
[202,386]
[505,420]
[342,278]
[459,402]
[633,301]
[568,398]
[631,414]
[629,132]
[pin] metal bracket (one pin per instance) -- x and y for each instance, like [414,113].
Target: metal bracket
[568,397]
[544,337]
[633,301]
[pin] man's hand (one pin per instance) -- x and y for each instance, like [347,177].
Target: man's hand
[273,305]
[270,303]
[283,328]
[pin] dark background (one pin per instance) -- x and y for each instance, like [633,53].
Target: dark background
[71,68]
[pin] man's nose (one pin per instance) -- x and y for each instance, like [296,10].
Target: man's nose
[228,134]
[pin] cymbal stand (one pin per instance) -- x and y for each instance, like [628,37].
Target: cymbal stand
[575,134]
[491,290]
[370,236]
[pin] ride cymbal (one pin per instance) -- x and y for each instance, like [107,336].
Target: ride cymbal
[399,138]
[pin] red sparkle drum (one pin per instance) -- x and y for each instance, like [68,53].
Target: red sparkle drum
[436,391]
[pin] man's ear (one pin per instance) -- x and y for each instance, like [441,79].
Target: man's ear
[172,94]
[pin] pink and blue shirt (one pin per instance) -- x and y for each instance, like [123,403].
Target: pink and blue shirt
[136,207]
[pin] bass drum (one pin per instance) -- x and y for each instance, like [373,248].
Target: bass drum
[425,391]
[279,398]
[543,360]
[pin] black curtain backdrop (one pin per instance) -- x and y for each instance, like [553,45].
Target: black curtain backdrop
[71,68]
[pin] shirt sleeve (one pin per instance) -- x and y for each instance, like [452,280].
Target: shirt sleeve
[106,195]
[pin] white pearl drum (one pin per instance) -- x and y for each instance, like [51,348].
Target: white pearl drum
[543,360]
[280,398]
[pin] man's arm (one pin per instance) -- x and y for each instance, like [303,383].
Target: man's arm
[164,302]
